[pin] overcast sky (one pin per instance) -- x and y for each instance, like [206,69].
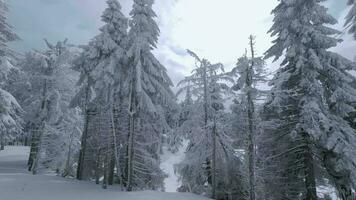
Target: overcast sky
[215,29]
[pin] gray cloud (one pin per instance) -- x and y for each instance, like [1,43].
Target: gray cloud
[79,21]
[53,19]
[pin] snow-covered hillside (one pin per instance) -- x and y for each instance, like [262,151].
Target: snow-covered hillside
[17,184]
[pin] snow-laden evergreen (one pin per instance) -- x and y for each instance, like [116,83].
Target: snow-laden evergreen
[105,113]
[210,158]
[10,118]
[101,68]
[55,128]
[147,87]
[6,32]
[10,110]
[11,113]
[304,119]
[351,18]
[250,73]
[125,92]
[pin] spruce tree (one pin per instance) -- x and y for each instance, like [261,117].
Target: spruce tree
[209,155]
[101,65]
[250,73]
[10,110]
[6,32]
[10,118]
[304,132]
[149,95]
[54,127]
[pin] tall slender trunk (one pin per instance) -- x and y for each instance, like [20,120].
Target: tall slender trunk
[69,155]
[111,171]
[97,167]
[33,147]
[213,168]
[83,144]
[37,134]
[116,153]
[130,154]
[250,115]
[309,173]
[109,142]
[206,115]
[134,109]
[37,156]
[131,137]
[206,109]
[106,168]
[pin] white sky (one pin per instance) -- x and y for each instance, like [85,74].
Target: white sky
[215,29]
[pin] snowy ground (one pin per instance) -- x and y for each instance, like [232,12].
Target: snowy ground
[169,159]
[17,184]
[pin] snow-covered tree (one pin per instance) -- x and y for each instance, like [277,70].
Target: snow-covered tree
[149,96]
[101,65]
[304,118]
[10,111]
[206,166]
[351,18]
[6,32]
[250,73]
[182,130]
[51,85]
[10,118]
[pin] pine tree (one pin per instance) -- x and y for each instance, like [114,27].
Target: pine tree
[303,130]
[6,32]
[51,123]
[250,72]
[209,153]
[10,110]
[101,65]
[10,118]
[149,95]
[351,18]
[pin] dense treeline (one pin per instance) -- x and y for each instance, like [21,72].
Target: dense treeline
[103,111]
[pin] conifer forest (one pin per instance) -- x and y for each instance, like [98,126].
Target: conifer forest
[173,100]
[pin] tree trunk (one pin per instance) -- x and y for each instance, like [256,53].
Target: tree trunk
[82,150]
[250,115]
[130,154]
[105,171]
[67,167]
[108,152]
[111,170]
[310,183]
[115,158]
[206,109]
[97,168]
[209,169]
[213,168]
[33,150]
[2,141]
[83,144]
[133,115]
[36,137]
[37,154]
